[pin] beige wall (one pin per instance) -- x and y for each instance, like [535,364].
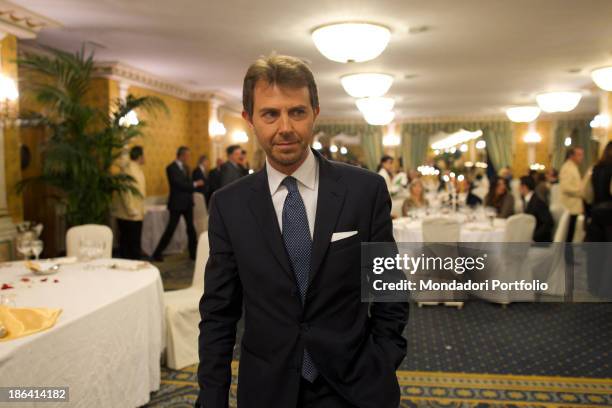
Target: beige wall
[12,163]
[520,163]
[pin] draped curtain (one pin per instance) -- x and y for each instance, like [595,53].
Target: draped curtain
[371,138]
[497,134]
[580,132]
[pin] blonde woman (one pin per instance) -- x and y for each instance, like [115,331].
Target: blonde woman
[417,197]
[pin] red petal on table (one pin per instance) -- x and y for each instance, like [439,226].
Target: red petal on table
[55,280]
[6,286]
[44,280]
[25,279]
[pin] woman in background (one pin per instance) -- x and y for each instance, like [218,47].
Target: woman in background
[385,169]
[499,197]
[417,197]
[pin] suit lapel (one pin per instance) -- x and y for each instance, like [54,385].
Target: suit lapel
[261,206]
[330,200]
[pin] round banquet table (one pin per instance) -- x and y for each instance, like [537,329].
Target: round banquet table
[107,342]
[153,226]
[407,230]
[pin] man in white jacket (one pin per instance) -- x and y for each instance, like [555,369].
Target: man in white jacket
[570,183]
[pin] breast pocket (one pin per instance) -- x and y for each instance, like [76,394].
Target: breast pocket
[352,241]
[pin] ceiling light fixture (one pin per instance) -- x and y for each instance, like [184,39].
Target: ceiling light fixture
[523,114]
[351,41]
[374,104]
[558,101]
[603,78]
[379,118]
[367,84]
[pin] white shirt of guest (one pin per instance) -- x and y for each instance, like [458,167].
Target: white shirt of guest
[526,199]
[307,176]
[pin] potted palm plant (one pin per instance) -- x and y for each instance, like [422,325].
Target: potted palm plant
[84,141]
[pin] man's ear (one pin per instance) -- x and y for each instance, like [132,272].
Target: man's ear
[316,112]
[247,118]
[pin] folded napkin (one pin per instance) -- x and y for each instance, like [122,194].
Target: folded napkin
[49,265]
[20,322]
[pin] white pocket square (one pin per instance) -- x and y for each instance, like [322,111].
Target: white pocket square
[337,236]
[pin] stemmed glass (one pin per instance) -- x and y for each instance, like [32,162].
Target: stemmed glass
[37,248]
[24,247]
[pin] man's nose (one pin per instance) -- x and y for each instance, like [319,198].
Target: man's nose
[285,123]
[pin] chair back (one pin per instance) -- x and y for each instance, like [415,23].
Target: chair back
[440,230]
[519,228]
[200,214]
[579,232]
[200,263]
[93,232]
[555,195]
[562,227]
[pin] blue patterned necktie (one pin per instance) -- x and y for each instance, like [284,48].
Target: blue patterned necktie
[296,235]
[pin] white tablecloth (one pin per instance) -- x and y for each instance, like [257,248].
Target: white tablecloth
[153,226]
[405,230]
[106,344]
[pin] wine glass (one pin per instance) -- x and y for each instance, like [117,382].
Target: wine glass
[491,213]
[37,248]
[8,300]
[24,247]
[85,249]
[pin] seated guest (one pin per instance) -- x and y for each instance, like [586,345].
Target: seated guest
[472,200]
[499,197]
[534,205]
[417,197]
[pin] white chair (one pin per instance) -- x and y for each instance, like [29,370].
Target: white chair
[93,232]
[579,232]
[183,314]
[200,213]
[519,228]
[556,211]
[562,227]
[440,230]
[555,195]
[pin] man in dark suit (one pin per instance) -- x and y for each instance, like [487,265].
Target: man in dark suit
[285,247]
[180,202]
[534,205]
[201,173]
[232,170]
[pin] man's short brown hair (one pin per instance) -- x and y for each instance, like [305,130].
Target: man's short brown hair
[281,70]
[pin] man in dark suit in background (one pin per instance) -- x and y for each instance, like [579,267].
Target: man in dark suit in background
[180,202]
[231,170]
[214,180]
[285,246]
[534,205]
[201,173]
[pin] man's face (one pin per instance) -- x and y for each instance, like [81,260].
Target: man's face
[282,120]
[578,156]
[185,156]
[523,190]
[235,156]
[388,165]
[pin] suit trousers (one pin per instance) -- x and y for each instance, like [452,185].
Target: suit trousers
[320,394]
[129,238]
[169,232]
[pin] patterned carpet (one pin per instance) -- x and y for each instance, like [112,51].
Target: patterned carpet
[524,355]
[433,389]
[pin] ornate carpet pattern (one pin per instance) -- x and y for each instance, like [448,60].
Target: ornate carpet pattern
[434,389]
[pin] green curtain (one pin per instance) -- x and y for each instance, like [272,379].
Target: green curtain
[580,132]
[497,134]
[371,138]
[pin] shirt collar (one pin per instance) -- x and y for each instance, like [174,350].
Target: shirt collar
[179,163]
[305,174]
[528,196]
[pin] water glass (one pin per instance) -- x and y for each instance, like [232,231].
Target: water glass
[37,248]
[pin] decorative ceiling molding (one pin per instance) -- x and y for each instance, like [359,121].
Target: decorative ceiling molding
[136,77]
[21,22]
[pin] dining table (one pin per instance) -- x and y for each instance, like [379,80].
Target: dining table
[107,342]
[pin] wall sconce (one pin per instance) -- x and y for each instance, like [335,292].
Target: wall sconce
[240,136]
[216,128]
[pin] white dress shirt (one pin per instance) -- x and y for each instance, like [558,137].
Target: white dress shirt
[526,200]
[307,176]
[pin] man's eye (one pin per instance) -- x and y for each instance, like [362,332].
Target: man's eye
[269,115]
[299,112]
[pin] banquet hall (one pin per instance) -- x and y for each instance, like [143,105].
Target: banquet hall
[486,124]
